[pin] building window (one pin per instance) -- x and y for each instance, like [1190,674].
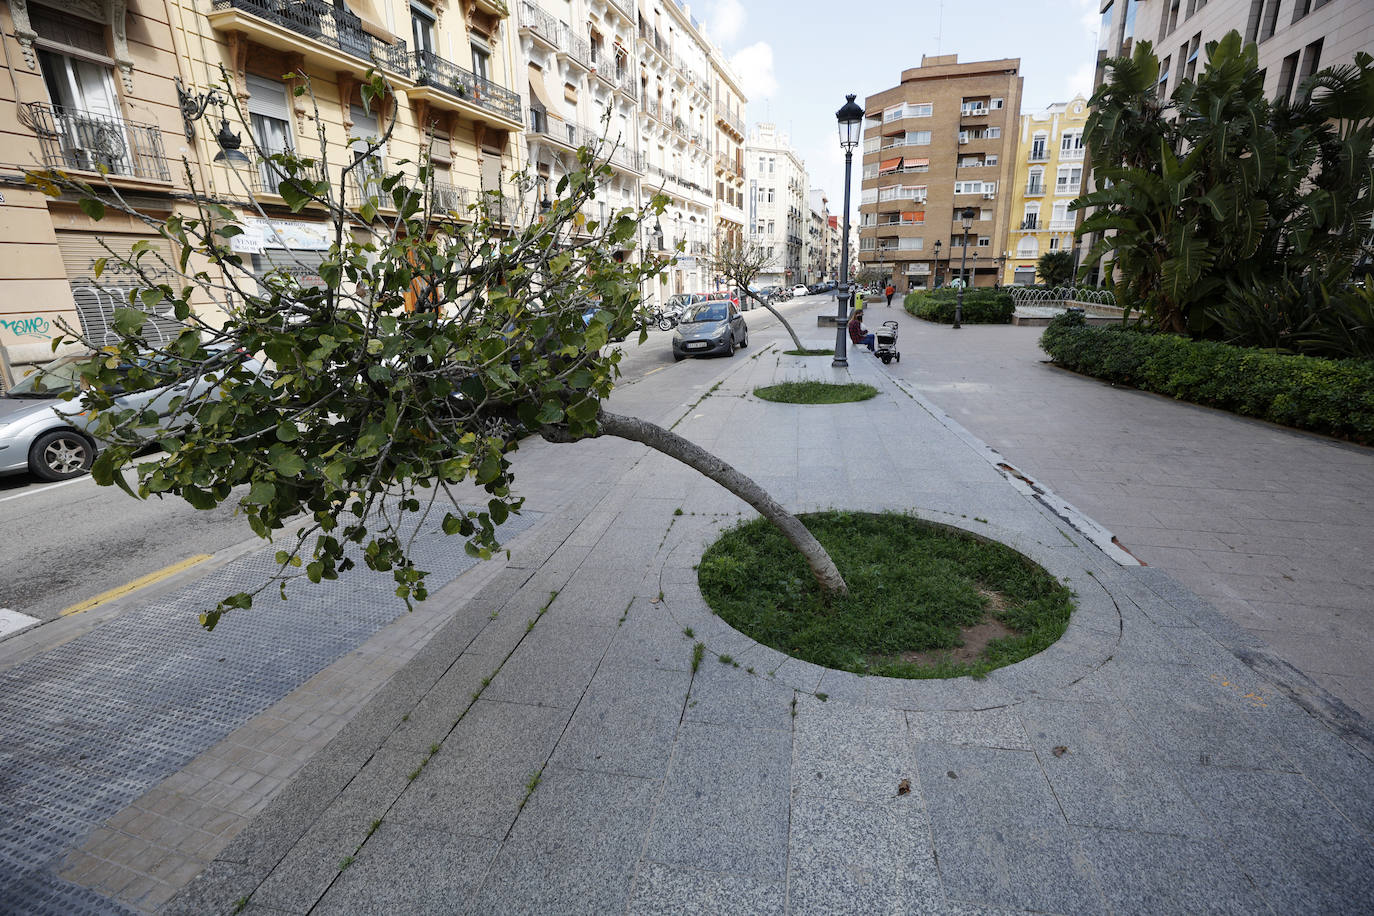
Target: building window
[1028,247]
[422,29]
[481,60]
[1069,180]
[997,103]
[270,119]
[1039,151]
[918,138]
[1190,67]
[992,133]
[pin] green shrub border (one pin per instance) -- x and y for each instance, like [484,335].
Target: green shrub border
[1334,397]
[981,306]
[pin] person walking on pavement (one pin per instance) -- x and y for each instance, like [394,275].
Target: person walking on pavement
[889,291]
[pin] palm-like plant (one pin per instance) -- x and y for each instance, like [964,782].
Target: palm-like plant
[1217,199]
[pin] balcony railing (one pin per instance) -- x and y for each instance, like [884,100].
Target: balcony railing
[1035,189]
[539,22]
[577,47]
[1038,155]
[74,139]
[433,70]
[1071,154]
[1067,187]
[330,25]
[626,7]
[1030,222]
[444,197]
[1060,225]
[365,184]
[626,82]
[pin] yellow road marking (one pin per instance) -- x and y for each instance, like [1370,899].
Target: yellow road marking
[136,584]
[652,371]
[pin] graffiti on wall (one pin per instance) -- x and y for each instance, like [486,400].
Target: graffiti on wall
[31,326]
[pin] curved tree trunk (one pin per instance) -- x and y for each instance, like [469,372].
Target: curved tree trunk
[694,456]
[796,341]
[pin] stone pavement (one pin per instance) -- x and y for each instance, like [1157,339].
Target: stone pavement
[552,748]
[1273,527]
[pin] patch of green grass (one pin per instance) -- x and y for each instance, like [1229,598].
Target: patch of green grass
[698,652]
[813,391]
[827,351]
[913,586]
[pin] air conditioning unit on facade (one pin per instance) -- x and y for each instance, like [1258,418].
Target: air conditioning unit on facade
[989,195]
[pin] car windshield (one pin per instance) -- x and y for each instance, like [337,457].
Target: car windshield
[707,311]
[51,380]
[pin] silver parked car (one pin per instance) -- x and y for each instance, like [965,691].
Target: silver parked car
[714,326]
[51,437]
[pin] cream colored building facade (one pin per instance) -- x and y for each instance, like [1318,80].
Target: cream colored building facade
[728,102]
[100,84]
[1050,168]
[776,202]
[580,73]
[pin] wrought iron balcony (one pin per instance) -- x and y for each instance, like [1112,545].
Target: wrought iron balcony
[72,139]
[536,20]
[433,70]
[625,81]
[1030,222]
[446,197]
[1035,189]
[576,47]
[626,7]
[329,24]
[1038,155]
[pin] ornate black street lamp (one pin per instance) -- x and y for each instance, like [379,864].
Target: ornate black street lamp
[850,118]
[966,220]
[937,264]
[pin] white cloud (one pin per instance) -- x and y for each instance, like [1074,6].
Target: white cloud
[754,65]
[1080,82]
[726,21]
[1089,16]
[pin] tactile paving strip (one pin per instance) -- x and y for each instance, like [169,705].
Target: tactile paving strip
[91,725]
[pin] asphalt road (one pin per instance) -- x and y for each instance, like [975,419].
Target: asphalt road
[68,542]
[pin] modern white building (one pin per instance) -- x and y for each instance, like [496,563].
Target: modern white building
[776,203]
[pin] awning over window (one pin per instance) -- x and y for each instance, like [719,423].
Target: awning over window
[541,93]
[889,165]
[919,162]
[372,22]
[913,216]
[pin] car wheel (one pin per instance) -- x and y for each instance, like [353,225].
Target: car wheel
[745,342]
[678,357]
[731,350]
[61,455]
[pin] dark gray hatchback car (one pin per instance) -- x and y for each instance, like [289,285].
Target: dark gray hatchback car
[712,327]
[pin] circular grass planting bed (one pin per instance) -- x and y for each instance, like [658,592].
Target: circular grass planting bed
[816,392]
[925,601]
[828,351]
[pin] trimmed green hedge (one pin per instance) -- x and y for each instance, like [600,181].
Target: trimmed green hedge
[1335,397]
[981,306]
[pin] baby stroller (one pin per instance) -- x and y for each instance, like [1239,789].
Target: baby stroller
[885,343]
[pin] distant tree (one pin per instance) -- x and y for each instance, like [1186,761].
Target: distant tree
[1055,268]
[740,263]
[377,408]
[870,276]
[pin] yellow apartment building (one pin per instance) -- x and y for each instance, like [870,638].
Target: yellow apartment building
[1050,164]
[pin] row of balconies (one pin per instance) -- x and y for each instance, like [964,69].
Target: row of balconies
[1053,225]
[730,166]
[338,28]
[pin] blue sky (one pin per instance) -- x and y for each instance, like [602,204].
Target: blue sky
[799,58]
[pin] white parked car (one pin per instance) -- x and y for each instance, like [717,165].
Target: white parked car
[800,290]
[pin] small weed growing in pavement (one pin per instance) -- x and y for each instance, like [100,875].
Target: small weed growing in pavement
[414,774]
[978,518]
[239,904]
[677,511]
[347,861]
[726,660]
[486,680]
[529,624]
[373,829]
[822,697]
[531,785]
[687,631]
[405,718]
[794,705]
[814,391]
[493,615]
[434,749]
[916,592]
[698,652]
[749,670]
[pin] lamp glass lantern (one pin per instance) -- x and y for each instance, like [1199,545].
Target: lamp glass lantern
[850,118]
